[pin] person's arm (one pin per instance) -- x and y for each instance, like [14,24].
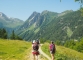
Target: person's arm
[55,47]
[49,47]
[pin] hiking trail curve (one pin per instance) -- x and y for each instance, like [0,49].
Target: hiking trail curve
[45,55]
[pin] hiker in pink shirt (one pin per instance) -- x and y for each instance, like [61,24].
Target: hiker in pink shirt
[52,49]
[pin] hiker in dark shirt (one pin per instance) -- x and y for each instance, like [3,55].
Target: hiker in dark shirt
[35,51]
[52,49]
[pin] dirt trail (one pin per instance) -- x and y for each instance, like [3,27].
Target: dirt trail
[41,52]
[42,56]
[31,57]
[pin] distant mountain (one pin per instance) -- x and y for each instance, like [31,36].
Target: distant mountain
[35,22]
[65,27]
[54,26]
[31,20]
[9,23]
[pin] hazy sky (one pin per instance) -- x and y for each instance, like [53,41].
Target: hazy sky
[22,9]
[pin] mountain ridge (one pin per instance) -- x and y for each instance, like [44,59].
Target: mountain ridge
[51,25]
[9,23]
[36,21]
[54,27]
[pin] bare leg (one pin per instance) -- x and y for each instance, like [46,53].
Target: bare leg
[33,56]
[37,57]
[52,55]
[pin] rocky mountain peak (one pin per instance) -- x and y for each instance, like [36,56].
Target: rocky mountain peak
[45,11]
[33,15]
[0,14]
[9,22]
[34,12]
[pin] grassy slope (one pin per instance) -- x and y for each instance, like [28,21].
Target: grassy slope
[13,49]
[16,50]
[63,53]
[25,30]
[37,30]
[69,32]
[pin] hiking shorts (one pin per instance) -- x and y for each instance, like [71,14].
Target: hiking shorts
[35,52]
[52,52]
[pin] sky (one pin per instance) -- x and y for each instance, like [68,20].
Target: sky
[22,9]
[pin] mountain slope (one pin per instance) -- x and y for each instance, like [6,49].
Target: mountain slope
[35,22]
[54,26]
[9,23]
[59,28]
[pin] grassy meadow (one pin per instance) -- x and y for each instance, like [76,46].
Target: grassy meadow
[63,53]
[13,49]
[21,50]
[16,50]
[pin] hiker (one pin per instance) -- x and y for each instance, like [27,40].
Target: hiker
[35,51]
[52,49]
[38,42]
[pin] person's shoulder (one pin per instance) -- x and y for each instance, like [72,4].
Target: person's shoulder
[53,44]
[50,44]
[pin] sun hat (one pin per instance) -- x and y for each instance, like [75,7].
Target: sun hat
[34,41]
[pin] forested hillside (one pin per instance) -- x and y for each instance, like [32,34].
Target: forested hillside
[68,26]
[54,26]
[34,24]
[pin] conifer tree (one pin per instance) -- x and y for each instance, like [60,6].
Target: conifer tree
[4,34]
[12,35]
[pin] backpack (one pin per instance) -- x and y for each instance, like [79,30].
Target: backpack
[35,47]
[52,47]
[38,42]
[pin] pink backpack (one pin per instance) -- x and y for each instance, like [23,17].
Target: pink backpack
[52,47]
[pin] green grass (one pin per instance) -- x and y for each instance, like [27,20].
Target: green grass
[32,27]
[37,30]
[13,49]
[63,53]
[26,30]
[42,57]
[69,32]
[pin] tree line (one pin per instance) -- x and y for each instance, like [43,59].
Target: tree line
[4,35]
[72,44]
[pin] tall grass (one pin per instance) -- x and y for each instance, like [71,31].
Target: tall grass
[13,49]
[63,53]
